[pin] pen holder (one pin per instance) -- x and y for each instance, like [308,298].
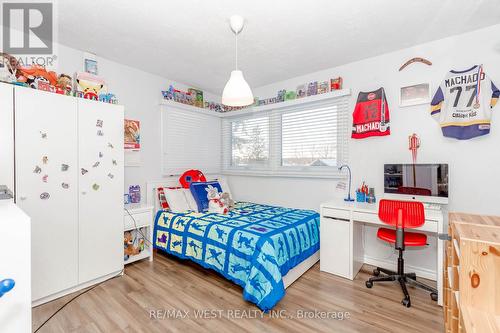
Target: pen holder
[360,197]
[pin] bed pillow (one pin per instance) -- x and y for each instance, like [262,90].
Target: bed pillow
[190,200]
[200,194]
[177,201]
[225,187]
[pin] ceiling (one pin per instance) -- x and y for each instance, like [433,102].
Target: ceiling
[189,41]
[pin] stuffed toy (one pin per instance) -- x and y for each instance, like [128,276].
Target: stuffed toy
[64,85]
[37,77]
[128,245]
[215,205]
[8,68]
[88,85]
[227,200]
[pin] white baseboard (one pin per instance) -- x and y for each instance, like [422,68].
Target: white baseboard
[392,265]
[52,297]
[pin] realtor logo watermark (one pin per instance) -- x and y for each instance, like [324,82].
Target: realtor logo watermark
[29,31]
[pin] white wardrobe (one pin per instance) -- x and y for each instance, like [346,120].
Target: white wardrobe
[69,179]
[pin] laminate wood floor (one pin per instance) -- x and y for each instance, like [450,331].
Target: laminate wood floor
[147,290]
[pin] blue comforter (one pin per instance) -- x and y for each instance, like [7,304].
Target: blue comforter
[254,245]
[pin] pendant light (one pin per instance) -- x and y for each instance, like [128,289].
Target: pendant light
[237,92]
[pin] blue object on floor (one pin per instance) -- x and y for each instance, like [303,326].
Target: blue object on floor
[6,286]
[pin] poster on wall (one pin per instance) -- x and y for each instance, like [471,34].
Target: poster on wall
[132,142]
[132,132]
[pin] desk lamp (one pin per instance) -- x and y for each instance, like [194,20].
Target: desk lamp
[348,193]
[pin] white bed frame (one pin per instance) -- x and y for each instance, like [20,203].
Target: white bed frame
[152,200]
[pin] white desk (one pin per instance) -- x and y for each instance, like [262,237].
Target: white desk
[341,237]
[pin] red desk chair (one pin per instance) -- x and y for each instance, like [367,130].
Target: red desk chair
[401,214]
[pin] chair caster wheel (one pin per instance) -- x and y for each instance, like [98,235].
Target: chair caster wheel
[434,296]
[369,284]
[376,272]
[406,302]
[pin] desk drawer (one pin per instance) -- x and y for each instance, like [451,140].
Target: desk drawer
[141,220]
[366,217]
[336,213]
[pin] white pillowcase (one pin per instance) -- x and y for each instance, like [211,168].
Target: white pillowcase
[176,200]
[224,186]
[190,200]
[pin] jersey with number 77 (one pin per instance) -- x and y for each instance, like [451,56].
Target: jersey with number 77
[463,105]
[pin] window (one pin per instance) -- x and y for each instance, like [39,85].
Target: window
[250,142]
[307,139]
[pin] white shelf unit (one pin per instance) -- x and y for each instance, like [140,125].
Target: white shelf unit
[136,217]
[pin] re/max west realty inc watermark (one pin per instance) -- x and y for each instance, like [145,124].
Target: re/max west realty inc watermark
[29,31]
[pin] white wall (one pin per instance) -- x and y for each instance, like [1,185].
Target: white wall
[140,93]
[474,178]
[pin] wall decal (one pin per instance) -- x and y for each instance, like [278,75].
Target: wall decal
[99,123]
[114,162]
[45,178]
[84,171]
[96,164]
[65,186]
[45,160]
[101,155]
[64,167]
[44,135]
[44,196]
[110,145]
[95,187]
[110,175]
[100,133]
[37,169]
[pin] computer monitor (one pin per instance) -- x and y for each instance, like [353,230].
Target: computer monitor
[422,182]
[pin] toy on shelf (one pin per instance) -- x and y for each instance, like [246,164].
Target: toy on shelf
[108,98]
[336,83]
[8,68]
[197,97]
[301,91]
[290,95]
[281,96]
[134,192]
[64,85]
[88,85]
[323,87]
[312,88]
[37,77]
[128,246]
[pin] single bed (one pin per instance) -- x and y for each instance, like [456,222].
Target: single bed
[262,248]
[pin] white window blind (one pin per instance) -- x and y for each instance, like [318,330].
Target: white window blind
[309,139]
[190,140]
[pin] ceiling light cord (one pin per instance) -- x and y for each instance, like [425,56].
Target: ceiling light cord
[236,35]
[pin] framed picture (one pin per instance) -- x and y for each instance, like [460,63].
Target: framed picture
[415,94]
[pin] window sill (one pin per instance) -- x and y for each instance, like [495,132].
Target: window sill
[285,174]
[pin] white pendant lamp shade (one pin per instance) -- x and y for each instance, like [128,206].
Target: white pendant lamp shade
[237,92]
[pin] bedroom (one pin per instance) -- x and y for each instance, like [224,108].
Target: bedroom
[184,176]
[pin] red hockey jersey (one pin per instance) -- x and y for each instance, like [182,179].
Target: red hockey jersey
[371,115]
